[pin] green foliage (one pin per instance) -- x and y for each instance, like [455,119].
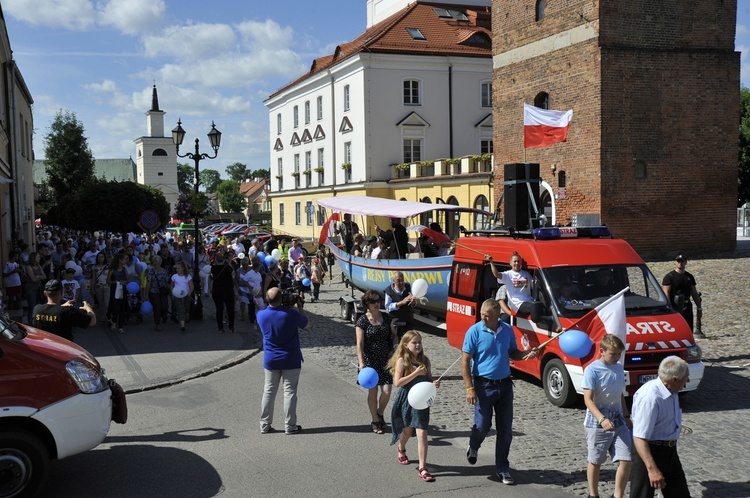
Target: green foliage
[238,172]
[743,179]
[210,178]
[69,161]
[229,196]
[191,205]
[185,176]
[114,206]
[261,173]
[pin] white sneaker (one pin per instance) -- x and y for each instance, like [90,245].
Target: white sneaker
[506,477]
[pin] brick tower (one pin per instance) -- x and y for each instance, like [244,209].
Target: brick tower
[654,86]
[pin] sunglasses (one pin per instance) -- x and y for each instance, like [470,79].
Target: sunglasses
[374,301]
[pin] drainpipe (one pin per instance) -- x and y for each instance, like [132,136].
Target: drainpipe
[450,108]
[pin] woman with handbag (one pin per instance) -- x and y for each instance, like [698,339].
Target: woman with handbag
[157,290]
[223,291]
[117,278]
[99,273]
[182,282]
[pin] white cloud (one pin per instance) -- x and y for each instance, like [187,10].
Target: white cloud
[106,86]
[68,14]
[190,43]
[132,16]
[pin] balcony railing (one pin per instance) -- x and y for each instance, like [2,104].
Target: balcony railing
[444,167]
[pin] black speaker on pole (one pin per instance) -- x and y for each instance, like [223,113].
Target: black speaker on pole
[521,195]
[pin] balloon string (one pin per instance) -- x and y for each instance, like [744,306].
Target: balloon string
[446,370]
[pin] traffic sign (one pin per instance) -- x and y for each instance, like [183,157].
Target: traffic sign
[149,220]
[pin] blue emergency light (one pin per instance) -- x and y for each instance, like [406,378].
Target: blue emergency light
[553,233]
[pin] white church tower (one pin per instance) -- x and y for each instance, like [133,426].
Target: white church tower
[156,162]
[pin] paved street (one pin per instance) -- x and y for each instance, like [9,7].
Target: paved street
[548,447]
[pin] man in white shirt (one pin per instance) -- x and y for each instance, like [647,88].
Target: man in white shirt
[517,283]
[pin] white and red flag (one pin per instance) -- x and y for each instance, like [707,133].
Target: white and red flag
[607,318]
[542,127]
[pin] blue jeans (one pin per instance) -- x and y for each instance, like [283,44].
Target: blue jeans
[497,398]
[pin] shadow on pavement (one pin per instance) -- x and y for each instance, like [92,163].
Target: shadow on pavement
[726,489]
[186,436]
[718,391]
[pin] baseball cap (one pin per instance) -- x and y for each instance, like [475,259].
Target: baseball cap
[53,286]
[680,257]
[371,238]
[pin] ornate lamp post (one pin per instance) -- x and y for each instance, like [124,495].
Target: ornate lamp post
[214,136]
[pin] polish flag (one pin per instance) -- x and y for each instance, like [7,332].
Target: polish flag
[607,318]
[542,128]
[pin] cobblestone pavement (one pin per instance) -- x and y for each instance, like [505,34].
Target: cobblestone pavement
[549,442]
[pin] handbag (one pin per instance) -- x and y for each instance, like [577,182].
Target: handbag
[118,290]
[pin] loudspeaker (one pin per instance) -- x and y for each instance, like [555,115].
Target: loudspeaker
[520,212]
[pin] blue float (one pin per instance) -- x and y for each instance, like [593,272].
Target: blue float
[575,343]
[133,288]
[368,378]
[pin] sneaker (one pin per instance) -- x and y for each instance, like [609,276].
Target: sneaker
[268,430]
[296,430]
[471,455]
[506,477]
[699,335]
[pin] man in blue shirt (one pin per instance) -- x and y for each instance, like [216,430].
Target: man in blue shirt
[657,420]
[485,366]
[282,358]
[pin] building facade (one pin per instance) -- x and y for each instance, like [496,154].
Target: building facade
[654,86]
[415,86]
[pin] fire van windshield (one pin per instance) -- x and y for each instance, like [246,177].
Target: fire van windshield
[10,329]
[577,289]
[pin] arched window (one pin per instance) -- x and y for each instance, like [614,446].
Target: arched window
[452,219]
[540,4]
[481,221]
[541,100]
[159,152]
[426,218]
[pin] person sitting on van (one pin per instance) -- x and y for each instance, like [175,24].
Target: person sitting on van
[517,282]
[59,319]
[501,296]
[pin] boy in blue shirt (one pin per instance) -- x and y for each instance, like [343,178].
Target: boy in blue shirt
[607,421]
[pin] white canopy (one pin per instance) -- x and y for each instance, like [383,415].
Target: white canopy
[375,206]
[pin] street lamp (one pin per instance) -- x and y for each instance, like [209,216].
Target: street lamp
[214,136]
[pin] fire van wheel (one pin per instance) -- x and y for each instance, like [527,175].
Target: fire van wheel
[24,464]
[557,384]
[346,310]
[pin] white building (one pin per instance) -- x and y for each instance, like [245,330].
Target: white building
[156,159]
[416,85]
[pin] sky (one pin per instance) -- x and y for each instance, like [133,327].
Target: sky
[212,60]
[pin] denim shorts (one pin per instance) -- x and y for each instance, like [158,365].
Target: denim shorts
[600,442]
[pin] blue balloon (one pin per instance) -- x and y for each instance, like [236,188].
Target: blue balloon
[133,287]
[147,308]
[78,278]
[269,260]
[575,343]
[368,378]
[137,241]
[306,282]
[261,255]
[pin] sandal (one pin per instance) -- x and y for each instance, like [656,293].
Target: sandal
[424,475]
[381,418]
[401,456]
[376,428]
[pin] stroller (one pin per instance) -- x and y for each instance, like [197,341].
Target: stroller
[133,300]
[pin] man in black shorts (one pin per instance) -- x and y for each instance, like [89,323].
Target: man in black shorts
[59,319]
[679,286]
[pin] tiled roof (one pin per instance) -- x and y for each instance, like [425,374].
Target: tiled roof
[121,170]
[252,189]
[443,36]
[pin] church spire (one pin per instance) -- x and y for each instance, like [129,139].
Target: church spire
[154,100]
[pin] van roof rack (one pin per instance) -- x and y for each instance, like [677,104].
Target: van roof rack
[544,233]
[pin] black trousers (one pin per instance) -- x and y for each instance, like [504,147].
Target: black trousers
[668,461]
[224,297]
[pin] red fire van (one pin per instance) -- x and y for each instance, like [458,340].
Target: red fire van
[54,402]
[566,265]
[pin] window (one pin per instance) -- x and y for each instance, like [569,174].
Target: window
[486,94]
[278,124]
[307,112]
[308,167]
[321,157]
[281,213]
[297,213]
[411,92]
[296,172]
[452,219]
[426,218]
[348,159]
[486,147]
[296,116]
[481,220]
[542,100]
[309,213]
[346,97]
[280,172]
[412,150]
[416,34]
[322,215]
[540,4]
[320,108]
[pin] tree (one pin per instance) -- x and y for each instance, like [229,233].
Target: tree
[229,196]
[69,161]
[210,178]
[262,173]
[743,180]
[185,176]
[237,172]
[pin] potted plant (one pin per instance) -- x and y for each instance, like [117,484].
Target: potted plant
[295,174]
[346,165]
[319,169]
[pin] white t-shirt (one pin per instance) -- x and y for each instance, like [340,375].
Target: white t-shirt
[518,287]
[14,280]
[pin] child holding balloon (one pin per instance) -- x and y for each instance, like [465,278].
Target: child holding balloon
[410,367]
[607,421]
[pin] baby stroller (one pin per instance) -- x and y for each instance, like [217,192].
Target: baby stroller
[133,300]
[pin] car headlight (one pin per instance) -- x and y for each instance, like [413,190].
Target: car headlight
[87,379]
[693,354]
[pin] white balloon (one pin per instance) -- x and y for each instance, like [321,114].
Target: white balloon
[78,269]
[241,256]
[419,288]
[206,269]
[70,264]
[96,235]
[422,395]
[179,291]
[276,254]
